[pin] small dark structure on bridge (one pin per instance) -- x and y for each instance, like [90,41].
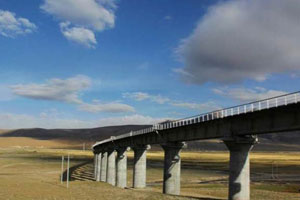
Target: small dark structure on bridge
[236,126]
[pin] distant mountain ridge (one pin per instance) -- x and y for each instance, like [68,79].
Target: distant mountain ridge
[270,142]
[93,134]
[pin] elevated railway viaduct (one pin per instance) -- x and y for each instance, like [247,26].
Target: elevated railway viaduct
[237,126]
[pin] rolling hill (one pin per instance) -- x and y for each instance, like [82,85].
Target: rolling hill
[76,137]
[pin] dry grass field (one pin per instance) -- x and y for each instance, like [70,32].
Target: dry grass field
[34,173]
[28,173]
[273,175]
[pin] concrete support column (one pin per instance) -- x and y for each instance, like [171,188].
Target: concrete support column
[239,169]
[95,165]
[139,166]
[103,166]
[172,168]
[122,167]
[98,169]
[111,167]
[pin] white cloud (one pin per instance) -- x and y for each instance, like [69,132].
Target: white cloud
[15,121]
[243,39]
[11,26]
[65,90]
[94,14]
[247,95]
[83,17]
[113,107]
[140,96]
[80,35]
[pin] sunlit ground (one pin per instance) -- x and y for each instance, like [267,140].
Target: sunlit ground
[34,173]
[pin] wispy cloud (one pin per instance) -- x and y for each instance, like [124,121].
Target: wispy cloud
[68,91]
[80,19]
[11,26]
[142,96]
[64,90]
[168,17]
[130,119]
[143,66]
[247,95]
[138,96]
[208,106]
[6,93]
[112,107]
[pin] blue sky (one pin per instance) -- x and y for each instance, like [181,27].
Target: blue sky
[90,63]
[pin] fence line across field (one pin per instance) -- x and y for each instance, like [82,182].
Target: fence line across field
[62,170]
[68,171]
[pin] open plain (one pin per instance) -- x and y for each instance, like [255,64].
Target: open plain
[34,173]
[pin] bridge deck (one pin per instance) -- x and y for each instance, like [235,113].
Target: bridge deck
[278,114]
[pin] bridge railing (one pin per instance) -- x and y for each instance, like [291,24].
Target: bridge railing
[282,100]
[236,110]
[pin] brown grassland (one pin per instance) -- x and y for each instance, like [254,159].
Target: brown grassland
[34,173]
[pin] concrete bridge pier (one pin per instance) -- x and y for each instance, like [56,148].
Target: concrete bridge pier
[239,168]
[172,167]
[103,166]
[98,168]
[139,166]
[95,165]
[122,167]
[111,167]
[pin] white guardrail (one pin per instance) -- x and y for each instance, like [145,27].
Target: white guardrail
[236,110]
